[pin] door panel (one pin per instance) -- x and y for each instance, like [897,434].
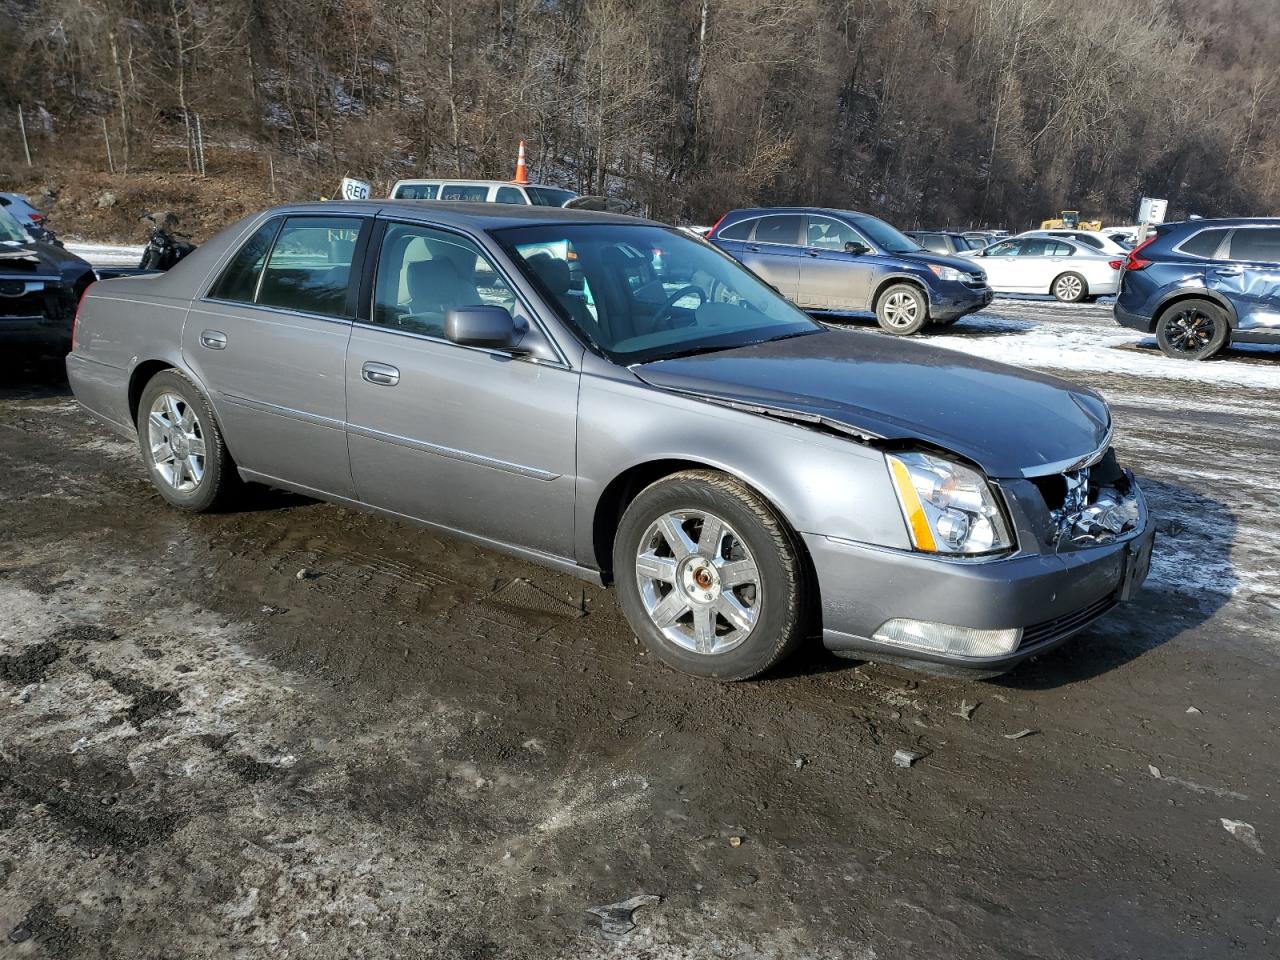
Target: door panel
[831,279]
[473,440]
[1251,280]
[276,375]
[773,253]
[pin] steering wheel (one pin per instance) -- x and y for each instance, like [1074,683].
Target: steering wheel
[676,298]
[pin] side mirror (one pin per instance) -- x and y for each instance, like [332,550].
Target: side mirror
[482,325]
[855,248]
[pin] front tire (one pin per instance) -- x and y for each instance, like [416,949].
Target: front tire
[709,577]
[1192,330]
[1070,288]
[902,310]
[182,445]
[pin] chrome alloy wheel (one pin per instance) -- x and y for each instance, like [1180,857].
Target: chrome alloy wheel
[698,582]
[176,439]
[1190,330]
[901,310]
[1068,288]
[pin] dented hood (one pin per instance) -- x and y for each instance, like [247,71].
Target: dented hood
[1010,421]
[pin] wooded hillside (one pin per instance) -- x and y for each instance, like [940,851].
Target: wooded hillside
[928,112]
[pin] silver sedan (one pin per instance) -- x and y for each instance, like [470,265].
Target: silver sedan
[612,398]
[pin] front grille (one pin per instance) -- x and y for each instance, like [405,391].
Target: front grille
[1060,627]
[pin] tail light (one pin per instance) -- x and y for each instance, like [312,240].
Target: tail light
[1115,264]
[75,324]
[37,217]
[716,226]
[1135,262]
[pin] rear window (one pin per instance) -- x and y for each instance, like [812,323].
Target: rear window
[417,191]
[1259,244]
[736,231]
[549,196]
[457,191]
[779,229]
[309,268]
[1203,244]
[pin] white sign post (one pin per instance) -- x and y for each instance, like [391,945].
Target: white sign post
[355,189]
[1151,210]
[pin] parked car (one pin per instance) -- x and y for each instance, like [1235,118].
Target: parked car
[1200,285]
[486,191]
[944,242]
[34,222]
[1097,239]
[40,285]
[845,262]
[746,477]
[1068,269]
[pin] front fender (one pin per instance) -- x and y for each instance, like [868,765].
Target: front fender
[820,483]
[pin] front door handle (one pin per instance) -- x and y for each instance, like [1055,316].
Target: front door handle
[813,253]
[383,374]
[752,248]
[213,339]
[1229,271]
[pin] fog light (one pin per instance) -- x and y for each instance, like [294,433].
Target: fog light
[947,638]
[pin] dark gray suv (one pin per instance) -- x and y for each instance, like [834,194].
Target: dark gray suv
[848,262]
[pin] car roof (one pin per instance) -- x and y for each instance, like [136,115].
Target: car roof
[757,211]
[1224,222]
[458,181]
[477,216]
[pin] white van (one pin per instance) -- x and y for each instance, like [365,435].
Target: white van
[482,191]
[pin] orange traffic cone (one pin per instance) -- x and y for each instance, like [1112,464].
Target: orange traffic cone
[522,171]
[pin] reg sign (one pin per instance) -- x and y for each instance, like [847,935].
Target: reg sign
[1152,210]
[355,189]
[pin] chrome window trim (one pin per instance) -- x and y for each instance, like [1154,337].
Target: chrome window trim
[535,320]
[282,311]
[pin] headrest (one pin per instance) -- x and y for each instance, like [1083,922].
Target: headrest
[552,272]
[432,280]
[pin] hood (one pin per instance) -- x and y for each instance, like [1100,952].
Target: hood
[1011,422]
[941,260]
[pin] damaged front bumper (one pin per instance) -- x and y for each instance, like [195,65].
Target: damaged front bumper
[1078,559]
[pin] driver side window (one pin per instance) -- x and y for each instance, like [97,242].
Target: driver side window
[425,273]
[825,233]
[1009,248]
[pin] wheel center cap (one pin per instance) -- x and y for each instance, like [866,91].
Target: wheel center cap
[700,580]
[178,444]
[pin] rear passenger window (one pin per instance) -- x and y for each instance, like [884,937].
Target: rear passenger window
[509,195]
[780,229]
[737,231]
[1260,245]
[417,191]
[1055,249]
[455,191]
[1204,244]
[310,266]
[239,280]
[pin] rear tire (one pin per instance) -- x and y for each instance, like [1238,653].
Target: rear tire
[1070,288]
[1192,330]
[902,310]
[182,445]
[709,577]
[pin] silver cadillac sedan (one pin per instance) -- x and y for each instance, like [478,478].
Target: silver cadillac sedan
[617,400]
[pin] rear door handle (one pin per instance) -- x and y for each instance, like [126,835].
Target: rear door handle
[1228,271]
[383,374]
[213,339]
[752,248]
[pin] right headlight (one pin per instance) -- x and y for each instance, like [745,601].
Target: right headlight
[949,508]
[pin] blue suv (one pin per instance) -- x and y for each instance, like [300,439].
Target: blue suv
[848,262]
[1202,284]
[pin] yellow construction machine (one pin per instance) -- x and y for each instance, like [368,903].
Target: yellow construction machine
[1070,220]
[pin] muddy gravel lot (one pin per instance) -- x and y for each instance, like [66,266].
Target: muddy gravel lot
[301,731]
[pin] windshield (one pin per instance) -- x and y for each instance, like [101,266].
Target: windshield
[886,237]
[642,293]
[549,196]
[9,229]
